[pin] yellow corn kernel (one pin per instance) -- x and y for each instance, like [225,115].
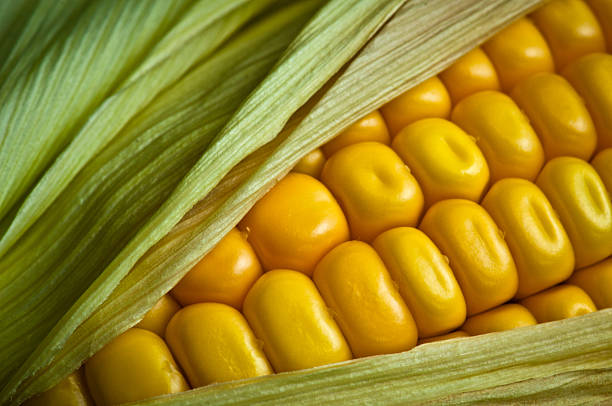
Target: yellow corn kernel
[374,188]
[311,164]
[71,391]
[288,314]
[561,302]
[603,165]
[603,12]
[454,334]
[444,160]
[478,254]
[372,127]
[212,342]
[538,242]
[224,275]
[591,76]
[357,288]
[502,318]
[428,99]
[503,133]
[295,224]
[570,28]
[158,317]
[472,73]
[580,199]
[596,281]
[564,126]
[136,365]
[424,278]
[518,52]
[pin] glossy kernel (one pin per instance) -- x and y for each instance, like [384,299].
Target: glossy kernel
[454,334]
[517,52]
[444,159]
[564,126]
[371,127]
[311,163]
[134,366]
[582,203]
[472,73]
[603,165]
[538,242]
[570,28]
[295,224]
[591,76]
[213,343]
[561,302]
[224,275]
[287,313]
[596,281]
[157,318]
[374,187]
[424,278]
[428,99]
[603,12]
[502,133]
[502,318]
[357,288]
[71,391]
[478,254]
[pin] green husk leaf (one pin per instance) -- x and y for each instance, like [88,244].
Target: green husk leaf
[136,172]
[27,27]
[525,364]
[387,66]
[198,32]
[42,105]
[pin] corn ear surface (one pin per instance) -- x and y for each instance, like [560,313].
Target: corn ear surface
[392,57]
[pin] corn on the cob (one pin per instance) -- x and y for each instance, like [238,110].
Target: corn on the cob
[596,280]
[298,225]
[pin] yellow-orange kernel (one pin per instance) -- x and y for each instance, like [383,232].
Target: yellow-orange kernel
[424,278]
[517,52]
[561,302]
[582,203]
[444,160]
[311,164]
[537,240]
[503,134]
[502,318]
[564,126]
[570,28]
[286,312]
[357,288]
[596,281]
[295,224]
[224,275]
[371,127]
[374,187]
[428,99]
[478,254]
[471,73]
[591,76]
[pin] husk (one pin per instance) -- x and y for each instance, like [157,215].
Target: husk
[387,66]
[195,34]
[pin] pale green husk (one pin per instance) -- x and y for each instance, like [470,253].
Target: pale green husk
[196,33]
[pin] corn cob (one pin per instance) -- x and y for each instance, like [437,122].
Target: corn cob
[508,252]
